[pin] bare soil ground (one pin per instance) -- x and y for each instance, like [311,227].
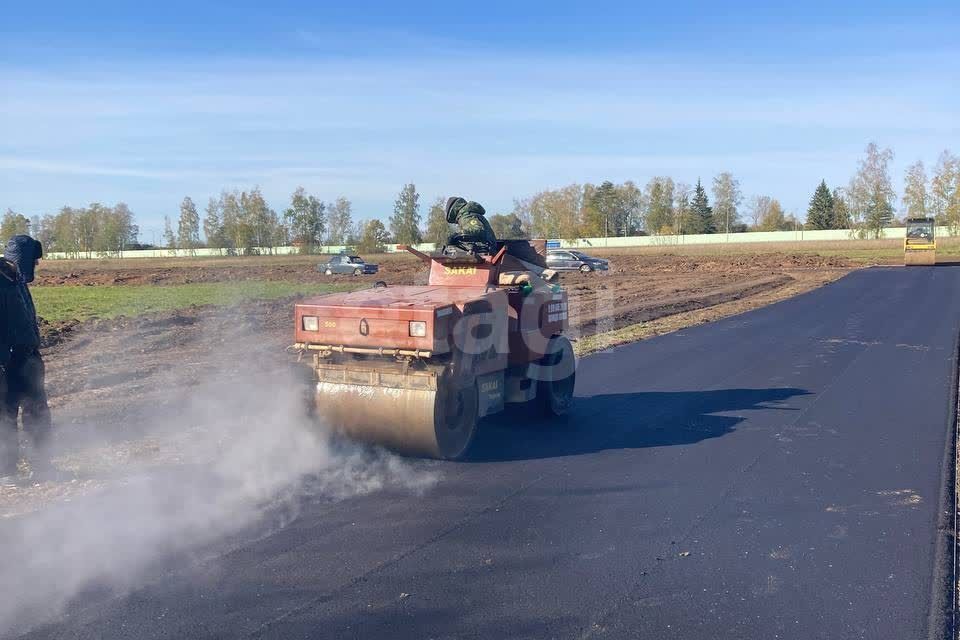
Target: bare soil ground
[396,268]
[160,271]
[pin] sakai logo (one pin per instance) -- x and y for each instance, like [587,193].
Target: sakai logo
[459,271]
[364,327]
[490,387]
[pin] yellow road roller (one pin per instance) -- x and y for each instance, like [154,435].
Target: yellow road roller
[920,243]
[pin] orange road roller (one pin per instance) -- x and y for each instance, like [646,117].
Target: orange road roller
[414,368]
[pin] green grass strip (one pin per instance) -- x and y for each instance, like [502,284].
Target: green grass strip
[108,301]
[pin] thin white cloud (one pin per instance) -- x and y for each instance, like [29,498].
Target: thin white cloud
[254,173]
[13,163]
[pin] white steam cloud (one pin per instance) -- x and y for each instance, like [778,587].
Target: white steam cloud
[245,454]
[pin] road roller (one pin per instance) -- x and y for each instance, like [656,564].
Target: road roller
[920,243]
[415,368]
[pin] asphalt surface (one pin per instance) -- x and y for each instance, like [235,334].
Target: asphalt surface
[779,474]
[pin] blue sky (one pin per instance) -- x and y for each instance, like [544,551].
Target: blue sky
[115,101]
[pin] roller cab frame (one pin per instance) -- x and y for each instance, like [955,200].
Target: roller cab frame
[920,242]
[414,368]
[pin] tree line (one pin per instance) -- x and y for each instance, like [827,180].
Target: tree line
[95,229]
[866,204]
[241,222]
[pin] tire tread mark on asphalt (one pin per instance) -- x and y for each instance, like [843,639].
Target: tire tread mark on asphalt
[627,596]
[386,564]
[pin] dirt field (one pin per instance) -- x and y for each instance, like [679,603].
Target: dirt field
[400,268]
[107,368]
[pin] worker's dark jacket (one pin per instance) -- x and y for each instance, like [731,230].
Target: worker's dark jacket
[23,368]
[24,251]
[18,324]
[474,228]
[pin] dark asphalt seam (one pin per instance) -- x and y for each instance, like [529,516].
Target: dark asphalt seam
[627,596]
[396,559]
[941,618]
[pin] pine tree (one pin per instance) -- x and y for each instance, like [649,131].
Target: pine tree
[820,214]
[701,214]
[405,221]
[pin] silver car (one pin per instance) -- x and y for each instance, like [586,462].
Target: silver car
[347,264]
[570,260]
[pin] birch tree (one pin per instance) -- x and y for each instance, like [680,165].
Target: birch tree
[726,200]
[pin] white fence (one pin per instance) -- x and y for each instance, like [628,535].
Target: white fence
[613,242]
[890,233]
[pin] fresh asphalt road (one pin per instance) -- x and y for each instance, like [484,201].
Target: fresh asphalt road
[779,474]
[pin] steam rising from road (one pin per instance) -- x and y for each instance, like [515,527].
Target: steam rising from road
[250,455]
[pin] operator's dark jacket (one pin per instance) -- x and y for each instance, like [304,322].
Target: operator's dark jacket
[474,228]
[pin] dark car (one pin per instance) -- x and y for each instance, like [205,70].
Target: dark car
[345,264]
[569,260]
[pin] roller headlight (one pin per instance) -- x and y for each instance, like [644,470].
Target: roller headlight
[311,323]
[418,329]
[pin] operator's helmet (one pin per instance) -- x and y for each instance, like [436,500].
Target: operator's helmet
[452,208]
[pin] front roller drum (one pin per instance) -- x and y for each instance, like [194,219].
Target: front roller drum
[919,257]
[436,423]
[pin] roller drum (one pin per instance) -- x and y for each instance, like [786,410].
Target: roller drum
[917,257]
[437,423]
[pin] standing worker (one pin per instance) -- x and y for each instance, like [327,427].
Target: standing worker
[13,320]
[24,369]
[15,328]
